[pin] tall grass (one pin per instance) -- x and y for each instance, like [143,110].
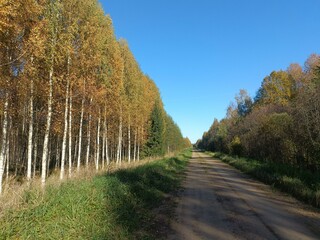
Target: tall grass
[300,183]
[109,206]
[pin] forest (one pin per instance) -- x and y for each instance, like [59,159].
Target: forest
[72,95]
[281,124]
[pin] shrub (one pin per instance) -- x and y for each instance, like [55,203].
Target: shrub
[236,147]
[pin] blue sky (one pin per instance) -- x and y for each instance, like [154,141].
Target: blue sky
[201,53]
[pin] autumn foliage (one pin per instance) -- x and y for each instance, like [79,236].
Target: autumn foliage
[71,94]
[281,124]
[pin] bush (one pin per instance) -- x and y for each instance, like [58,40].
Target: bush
[236,147]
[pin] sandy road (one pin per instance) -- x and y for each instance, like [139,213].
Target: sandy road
[219,202]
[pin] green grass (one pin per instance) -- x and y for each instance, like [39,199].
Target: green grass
[300,183]
[114,206]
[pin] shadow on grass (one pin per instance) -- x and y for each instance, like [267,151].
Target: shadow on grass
[117,206]
[132,194]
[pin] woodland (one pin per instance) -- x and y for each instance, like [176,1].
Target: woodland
[281,124]
[73,96]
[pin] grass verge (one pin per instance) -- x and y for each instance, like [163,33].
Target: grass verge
[115,206]
[299,183]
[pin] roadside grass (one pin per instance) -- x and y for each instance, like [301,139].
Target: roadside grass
[300,183]
[108,206]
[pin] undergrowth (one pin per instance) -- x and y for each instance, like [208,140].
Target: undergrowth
[110,206]
[300,183]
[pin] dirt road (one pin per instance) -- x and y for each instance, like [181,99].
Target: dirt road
[219,202]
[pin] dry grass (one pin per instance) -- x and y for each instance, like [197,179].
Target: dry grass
[116,203]
[14,191]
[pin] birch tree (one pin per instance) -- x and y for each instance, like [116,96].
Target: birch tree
[53,18]
[70,90]
[9,30]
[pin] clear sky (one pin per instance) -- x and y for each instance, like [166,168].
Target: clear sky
[201,53]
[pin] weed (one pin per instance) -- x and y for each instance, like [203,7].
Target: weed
[108,206]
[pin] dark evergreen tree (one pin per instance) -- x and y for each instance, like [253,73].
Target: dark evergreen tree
[155,142]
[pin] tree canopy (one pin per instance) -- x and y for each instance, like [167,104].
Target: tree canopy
[72,94]
[281,124]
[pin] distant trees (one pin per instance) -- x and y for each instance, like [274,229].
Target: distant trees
[71,94]
[282,124]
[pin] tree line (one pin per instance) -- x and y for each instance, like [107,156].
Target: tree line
[280,124]
[71,94]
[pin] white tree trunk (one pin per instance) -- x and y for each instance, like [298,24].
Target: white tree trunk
[65,129]
[7,159]
[107,151]
[88,142]
[4,139]
[47,131]
[88,139]
[49,160]
[80,135]
[135,146]
[70,133]
[30,134]
[119,142]
[103,157]
[98,143]
[35,154]
[138,156]
[103,153]
[129,142]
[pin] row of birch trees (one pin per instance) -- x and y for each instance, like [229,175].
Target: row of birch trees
[71,94]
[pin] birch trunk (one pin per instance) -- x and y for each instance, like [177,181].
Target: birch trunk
[104,142]
[88,139]
[88,142]
[70,132]
[119,142]
[47,131]
[80,135]
[103,153]
[35,154]
[129,143]
[15,154]
[7,160]
[138,156]
[107,151]
[135,146]
[120,158]
[49,160]
[4,139]
[65,129]
[104,138]
[98,143]
[30,135]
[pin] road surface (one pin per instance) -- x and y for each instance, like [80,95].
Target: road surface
[219,202]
